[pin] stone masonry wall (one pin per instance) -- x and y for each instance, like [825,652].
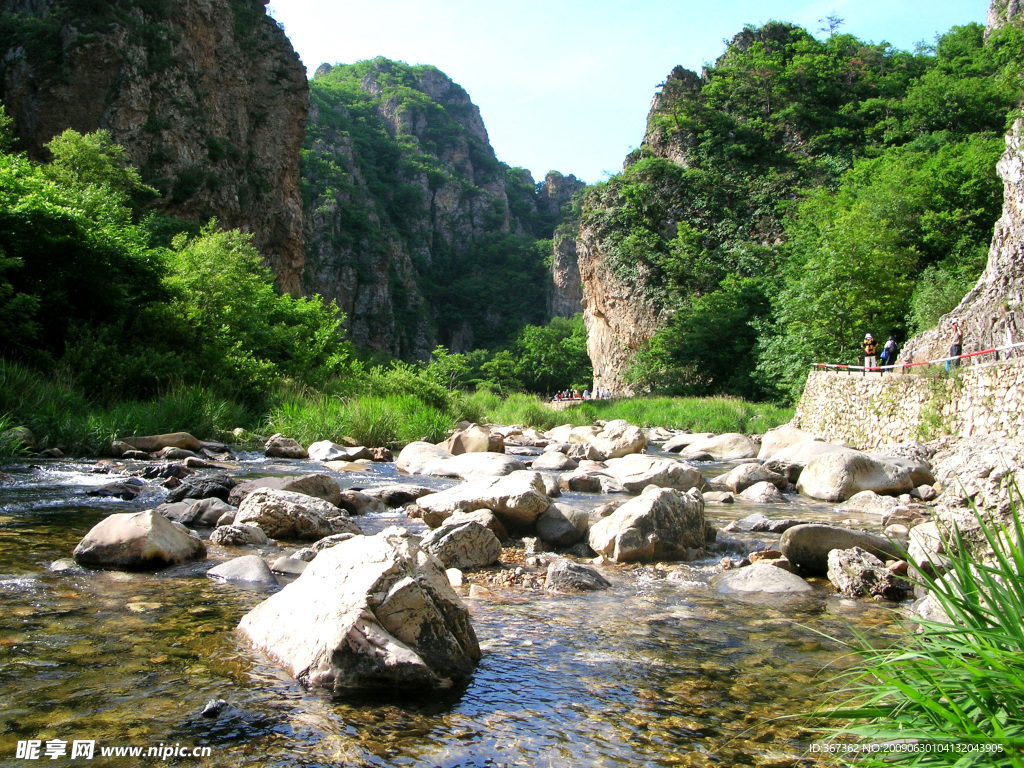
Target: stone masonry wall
[871,411]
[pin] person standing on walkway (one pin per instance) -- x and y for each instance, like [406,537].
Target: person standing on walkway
[956,345]
[869,347]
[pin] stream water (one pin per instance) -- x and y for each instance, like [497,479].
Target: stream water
[657,671]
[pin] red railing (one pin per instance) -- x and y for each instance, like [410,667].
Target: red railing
[902,366]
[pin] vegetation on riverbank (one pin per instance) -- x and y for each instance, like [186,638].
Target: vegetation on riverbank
[948,694]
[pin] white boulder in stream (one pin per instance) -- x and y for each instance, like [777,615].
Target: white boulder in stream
[518,500]
[293,516]
[463,545]
[838,475]
[637,471]
[660,524]
[759,578]
[474,466]
[371,613]
[138,541]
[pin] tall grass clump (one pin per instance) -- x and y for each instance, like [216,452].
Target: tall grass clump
[10,444]
[698,414]
[517,408]
[951,694]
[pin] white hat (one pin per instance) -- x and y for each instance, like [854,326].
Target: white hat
[868,336]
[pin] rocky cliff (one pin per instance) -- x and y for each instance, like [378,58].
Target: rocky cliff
[413,225]
[992,313]
[207,96]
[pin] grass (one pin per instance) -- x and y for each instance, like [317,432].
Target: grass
[953,693]
[59,414]
[375,408]
[699,414]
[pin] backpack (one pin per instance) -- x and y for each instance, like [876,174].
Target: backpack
[889,351]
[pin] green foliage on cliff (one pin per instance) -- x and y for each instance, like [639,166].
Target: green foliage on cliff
[803,192]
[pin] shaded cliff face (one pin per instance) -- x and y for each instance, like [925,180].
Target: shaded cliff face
[207,96]
[413,226]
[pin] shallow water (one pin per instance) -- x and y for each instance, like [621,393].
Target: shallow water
[656,671]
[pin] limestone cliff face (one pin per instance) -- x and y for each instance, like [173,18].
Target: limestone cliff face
[556,200]
[413,225]
[618,316]
[207,96]
[992,314]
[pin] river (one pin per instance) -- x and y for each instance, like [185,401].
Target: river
[657,671]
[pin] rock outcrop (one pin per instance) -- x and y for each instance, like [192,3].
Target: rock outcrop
[207,96]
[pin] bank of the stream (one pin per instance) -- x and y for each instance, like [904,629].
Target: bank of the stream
[378,407]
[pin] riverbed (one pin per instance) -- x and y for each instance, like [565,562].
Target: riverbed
[657,671]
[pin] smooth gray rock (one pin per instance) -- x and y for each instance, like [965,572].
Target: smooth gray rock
[356,503]
[763,493]
[807,546]
[325,450]
[565,576]
[774,440]
[196,513]
[415,456]
[869,503]
[474,466]
[791,461]
[839,475]
[319,486]
[554,461]
[138,541]
[731,445]
[518,500]
[280,447]
[759,578]
[742,477]
[562,525]
[635,472]
[248,569]
[398,495]
[685,440]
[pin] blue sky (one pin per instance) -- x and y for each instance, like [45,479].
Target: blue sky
[566,84]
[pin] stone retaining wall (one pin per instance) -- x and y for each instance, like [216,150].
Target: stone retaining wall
[872,410]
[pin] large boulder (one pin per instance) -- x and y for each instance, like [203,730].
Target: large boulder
[919,469]
[636,472]
[318,486]
[154,443]
[792,460]
[463,545]
[731,445]
[372,613]
[660,524]
[759,578]
[485,517]
[414,457]
[858,573]
[808,545]
[738,479]
[293,516]
[562,525]
[474,439]
[474,466]
[774,440]
[838,475]
[618,438]
[567,577]
[518,500]
[138,541]
[325,450]
[281,447]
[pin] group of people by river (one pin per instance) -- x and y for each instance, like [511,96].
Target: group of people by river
[890,351]
[586,394]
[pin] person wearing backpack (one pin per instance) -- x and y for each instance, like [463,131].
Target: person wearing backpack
[890,352]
